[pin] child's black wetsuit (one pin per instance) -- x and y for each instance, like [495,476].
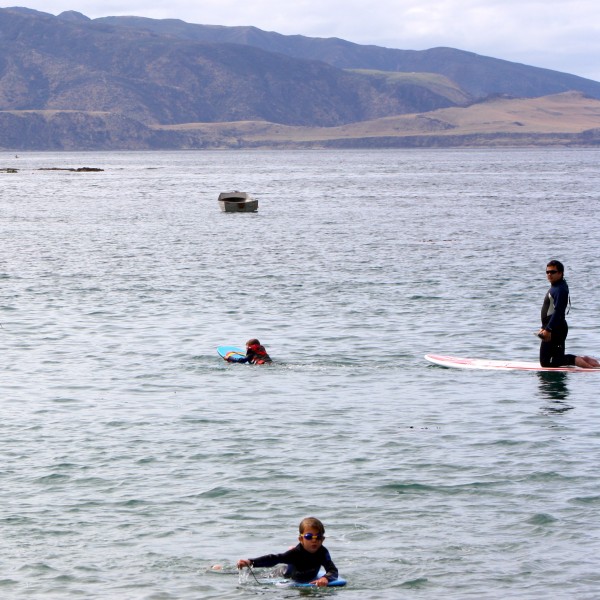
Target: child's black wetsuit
[303,566]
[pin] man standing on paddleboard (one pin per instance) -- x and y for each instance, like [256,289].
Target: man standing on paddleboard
[554,324]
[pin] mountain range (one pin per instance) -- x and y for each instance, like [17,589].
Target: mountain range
[74,83]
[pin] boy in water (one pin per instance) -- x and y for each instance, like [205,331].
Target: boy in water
[304,560]
[255,354]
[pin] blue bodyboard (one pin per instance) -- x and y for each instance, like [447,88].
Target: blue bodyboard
[297,584]
[226,351]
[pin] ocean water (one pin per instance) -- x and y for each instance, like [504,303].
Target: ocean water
[133,459]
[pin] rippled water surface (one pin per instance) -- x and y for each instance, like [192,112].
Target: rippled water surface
[133,458]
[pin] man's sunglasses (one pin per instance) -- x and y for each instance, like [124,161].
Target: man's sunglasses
[551,272]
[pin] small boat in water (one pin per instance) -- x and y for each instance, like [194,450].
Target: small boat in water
[237,202]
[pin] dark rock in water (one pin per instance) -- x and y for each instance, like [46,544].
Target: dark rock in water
[78,170]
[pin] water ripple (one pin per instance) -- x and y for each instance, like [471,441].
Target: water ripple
[133,457]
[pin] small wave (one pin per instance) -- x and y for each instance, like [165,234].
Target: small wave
[419,488]
[586,500]
[419,582]
[541,519]
[38,568]
[133,503]
[52,478]
[216,492]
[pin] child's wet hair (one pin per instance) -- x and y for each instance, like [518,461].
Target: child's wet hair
[311,523]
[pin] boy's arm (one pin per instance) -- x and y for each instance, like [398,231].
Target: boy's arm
[241,359]
[331,572]
[330,575]
[268,560]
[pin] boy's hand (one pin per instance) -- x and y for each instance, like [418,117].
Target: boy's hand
[545,335]
[243,562]
[321,582]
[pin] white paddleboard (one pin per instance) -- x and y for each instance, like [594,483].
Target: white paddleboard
[458,362]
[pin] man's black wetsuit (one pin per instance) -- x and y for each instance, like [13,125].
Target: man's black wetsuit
[552,353]
[303,566]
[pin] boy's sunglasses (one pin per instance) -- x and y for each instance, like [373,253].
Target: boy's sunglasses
[551,272]
[310,536]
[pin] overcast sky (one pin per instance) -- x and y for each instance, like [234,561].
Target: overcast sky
[563,35]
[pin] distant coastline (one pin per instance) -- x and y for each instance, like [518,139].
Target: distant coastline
[569,119]
[123,83]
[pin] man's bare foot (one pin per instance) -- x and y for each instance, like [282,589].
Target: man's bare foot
[586,362]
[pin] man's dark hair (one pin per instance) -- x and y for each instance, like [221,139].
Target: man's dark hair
[557,265]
